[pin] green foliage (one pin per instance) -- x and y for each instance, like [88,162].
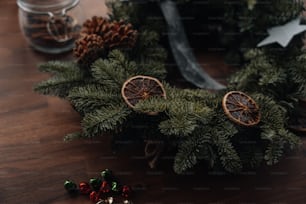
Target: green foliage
[228,155]
[281,140]
[122,10]
[190,151]
[250,21]
[59,85]
[221,134]
[274,152]
[191,120]
[58,67]
[276,75]
[150,55]
[104,120]
[178,127]
[153,104]
[112,72]
[91,97]
[273,129]
[250,16]
[297,73]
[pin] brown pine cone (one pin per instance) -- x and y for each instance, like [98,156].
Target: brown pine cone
[87,45]
[114,34]
[121,35]
[96,25]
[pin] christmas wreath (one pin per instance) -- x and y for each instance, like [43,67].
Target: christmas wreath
[117,83]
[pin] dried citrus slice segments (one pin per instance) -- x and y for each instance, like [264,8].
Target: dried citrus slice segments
[140,88]
[241,108]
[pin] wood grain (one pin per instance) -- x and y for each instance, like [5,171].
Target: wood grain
[34,160]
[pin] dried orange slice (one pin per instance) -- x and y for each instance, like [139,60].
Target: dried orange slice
[241,108]
[140,88]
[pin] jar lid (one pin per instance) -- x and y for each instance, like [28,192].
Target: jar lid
[41,7]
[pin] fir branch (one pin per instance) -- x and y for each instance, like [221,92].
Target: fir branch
[60,85]
[297,74]
[290,139]
[178,107]
[152,104]
[221,131]
[155,53]
[267,133]
[106,74]
[181,127]
[184,117]
[104,120]
[120,61]
[113,72]
[190,95]
[92,96]
[275,13]
[228,155]
[122,10]
[272,114]
[274,151]
[148,38]
[190,151]
[152,68]
[150,55]
[272,75]
[279,139]
[58,67]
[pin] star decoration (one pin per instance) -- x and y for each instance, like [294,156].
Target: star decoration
[283,34]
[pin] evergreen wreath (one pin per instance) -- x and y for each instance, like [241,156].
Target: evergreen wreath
[125,50]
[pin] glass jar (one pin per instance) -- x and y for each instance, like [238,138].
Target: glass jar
[50,26]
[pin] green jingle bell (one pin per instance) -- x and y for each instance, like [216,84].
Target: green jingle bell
[115,187]
[70,187]
[107,175]
[95,183]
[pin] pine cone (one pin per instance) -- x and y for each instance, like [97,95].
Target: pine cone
[121,35]
[88,49]
[96,25]
[114,34]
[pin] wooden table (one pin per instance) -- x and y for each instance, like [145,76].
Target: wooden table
[34,160]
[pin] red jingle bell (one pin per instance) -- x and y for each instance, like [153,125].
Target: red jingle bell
[84,188]
[94,196]
[105,188]
[126,191]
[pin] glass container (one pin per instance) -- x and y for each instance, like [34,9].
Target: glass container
[50,26]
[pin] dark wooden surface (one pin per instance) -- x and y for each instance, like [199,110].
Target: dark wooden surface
[34,160]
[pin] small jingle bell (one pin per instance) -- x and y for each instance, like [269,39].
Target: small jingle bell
[70,187]
[95,183]
[84,188]
[115,187]
[126,191]
[105,189]
[94,196]
[107,175]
